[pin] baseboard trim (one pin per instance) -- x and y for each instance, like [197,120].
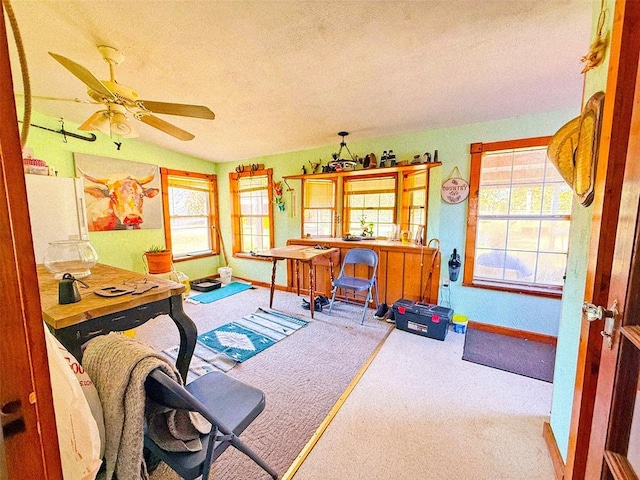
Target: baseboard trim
[554,451]
[513,332]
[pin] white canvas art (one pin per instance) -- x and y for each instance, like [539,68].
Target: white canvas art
[120,195]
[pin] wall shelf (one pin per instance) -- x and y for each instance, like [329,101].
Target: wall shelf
[369,171]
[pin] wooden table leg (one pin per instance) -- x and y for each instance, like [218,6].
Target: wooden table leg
[273,282]
[297,276]
[311,301]
[331,269]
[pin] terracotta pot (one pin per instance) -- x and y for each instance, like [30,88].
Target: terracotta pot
[159,262]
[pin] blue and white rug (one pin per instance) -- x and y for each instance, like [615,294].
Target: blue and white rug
[252,334]
[233,342]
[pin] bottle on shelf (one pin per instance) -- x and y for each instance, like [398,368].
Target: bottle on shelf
[435,156]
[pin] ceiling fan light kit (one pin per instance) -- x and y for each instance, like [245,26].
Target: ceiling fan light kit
[114,120]
[98,121]
[123,103]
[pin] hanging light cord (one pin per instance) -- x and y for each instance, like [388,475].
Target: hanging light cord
[26,116]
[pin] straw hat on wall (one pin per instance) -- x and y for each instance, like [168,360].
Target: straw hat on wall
[562,148]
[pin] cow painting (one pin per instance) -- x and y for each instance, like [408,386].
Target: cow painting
[117,201]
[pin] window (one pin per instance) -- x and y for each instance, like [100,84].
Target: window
[318,207]
[519,216]
[190,213]
[370,203]
[252,212]
[414,201]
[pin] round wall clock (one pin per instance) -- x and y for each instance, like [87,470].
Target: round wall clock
[586,153]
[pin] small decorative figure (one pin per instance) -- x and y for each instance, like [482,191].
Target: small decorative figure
[315,165]
[277,190]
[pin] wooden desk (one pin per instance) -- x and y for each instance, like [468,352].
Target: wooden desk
[404,270]
[76,323]
[297,253]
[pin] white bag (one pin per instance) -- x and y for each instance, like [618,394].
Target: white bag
[78,433]
[88,389]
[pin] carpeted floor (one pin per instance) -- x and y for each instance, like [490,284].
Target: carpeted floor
[422,413]
[302,375]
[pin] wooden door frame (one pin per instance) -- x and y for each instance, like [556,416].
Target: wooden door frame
[611,396]
[616,122]
[28,419]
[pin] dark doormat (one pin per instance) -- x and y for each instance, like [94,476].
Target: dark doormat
[511,354]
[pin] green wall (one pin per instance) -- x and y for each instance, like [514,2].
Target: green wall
[122,249]
[571,314]
[524,312]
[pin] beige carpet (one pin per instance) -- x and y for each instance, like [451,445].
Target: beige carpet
[302,376]
[421,413]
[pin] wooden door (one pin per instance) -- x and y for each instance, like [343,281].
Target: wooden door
[29,441]
[586,436]
[617,386]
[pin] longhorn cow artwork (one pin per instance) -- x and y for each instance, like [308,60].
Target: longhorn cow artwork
[120,195]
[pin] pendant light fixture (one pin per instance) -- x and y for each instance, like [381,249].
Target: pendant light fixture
[343,144]
[339,164]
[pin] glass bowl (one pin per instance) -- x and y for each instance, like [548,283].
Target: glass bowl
[70,256]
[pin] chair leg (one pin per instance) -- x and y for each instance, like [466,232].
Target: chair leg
[366,305]
[333,297]
[239,444]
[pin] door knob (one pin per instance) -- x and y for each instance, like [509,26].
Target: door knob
[592,312]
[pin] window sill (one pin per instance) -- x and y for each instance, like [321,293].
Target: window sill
[194,256]
[515,288]
[248,256]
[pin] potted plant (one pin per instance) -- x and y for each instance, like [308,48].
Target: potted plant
[158,259]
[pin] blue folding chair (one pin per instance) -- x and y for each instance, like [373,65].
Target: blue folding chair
[355,257]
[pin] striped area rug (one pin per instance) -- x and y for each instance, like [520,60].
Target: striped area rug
[222,347]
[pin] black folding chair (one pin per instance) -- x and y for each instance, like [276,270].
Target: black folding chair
[228,404]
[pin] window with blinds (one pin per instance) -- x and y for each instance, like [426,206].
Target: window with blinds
[414,201]
[370,204]
[190,206]
[318,207]
[252,213]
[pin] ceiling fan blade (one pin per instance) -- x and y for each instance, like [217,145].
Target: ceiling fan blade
[60,99]
[84,75]
[166,127]
[196,111]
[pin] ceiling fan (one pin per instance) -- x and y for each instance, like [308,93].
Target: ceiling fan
[123,103]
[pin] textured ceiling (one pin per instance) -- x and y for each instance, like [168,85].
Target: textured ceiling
[287,76]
